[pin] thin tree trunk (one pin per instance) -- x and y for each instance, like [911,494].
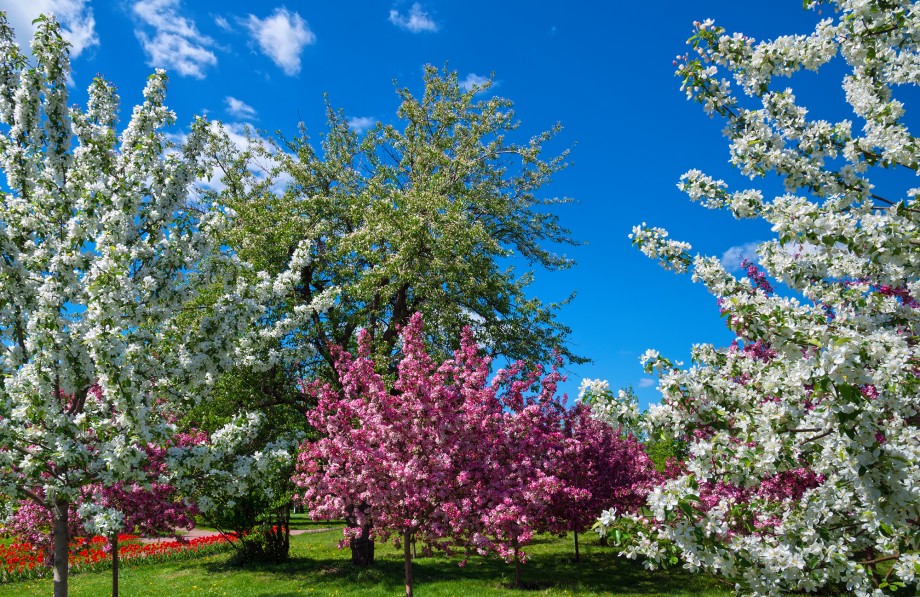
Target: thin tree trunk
[279,543]
[286,514]
[114,541]
[577,555]
[61,532]
[407,557]
[517,564]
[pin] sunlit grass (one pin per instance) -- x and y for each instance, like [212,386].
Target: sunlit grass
[318,567]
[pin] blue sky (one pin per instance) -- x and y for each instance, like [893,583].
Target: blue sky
[602,69]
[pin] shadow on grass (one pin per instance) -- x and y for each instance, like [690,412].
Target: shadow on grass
[549,567]
[303,521]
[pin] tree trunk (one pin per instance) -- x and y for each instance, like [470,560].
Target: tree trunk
[577,555]
[407,557]
[114,541]
[517,564]
[61,533]
[278,538]
[286,525]
[362,547]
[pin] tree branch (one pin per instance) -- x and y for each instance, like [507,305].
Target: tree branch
[874,561]
[817,437]
[34,497]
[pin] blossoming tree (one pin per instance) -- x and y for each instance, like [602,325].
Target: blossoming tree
[151,509]
[442,457]
[386,456]
[413,216]
[804,436]
[234,475]
[512,495]
[598,468]
[100,256]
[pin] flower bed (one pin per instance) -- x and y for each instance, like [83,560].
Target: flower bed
[20,561]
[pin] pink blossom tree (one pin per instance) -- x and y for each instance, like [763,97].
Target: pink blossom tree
[388,457]
[440,457]
[575,465]
[513,495]
[599,468]
[32,523]
[447,458]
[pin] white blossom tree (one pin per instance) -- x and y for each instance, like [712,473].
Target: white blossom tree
[803,436]
[102,259]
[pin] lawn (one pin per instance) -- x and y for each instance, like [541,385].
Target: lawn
[317,567]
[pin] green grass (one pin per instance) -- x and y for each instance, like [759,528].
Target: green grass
[318,567]
[298,521]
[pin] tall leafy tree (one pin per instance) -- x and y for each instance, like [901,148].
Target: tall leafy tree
[416,216]
[421,215]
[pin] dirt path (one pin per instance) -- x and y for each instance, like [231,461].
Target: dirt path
[197,533]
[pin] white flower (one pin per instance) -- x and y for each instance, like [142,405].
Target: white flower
[810,419]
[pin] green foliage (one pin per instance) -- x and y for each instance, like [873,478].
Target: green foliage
[273,392]
[662,449]
[411,216]
[267,539]
[261,520]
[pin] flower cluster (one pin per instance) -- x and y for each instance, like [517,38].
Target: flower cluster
[231,464]
[22,561]
[655,243]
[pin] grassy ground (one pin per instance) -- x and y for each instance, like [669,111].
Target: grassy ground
[298,521]
[317,567]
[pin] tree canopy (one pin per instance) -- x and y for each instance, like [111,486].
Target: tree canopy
[422,215]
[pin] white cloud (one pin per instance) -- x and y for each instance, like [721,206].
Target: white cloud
[282,37]
[646,382]
[176,43]
[473,80]
[416,21]
[223,23]
[732,258]
[359,124]
[240,109]
[75,16]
